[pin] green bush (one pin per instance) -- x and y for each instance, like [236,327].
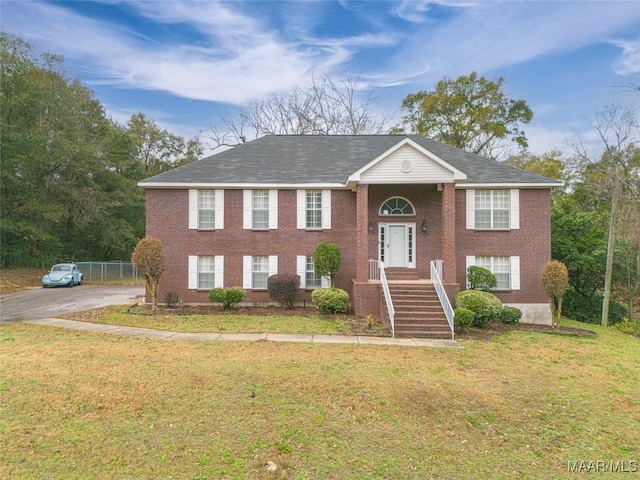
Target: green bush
[509,314]
[481,279]
[284,288]
[632,327]
[330,300]
[227,297]
[484,305]
[463,318]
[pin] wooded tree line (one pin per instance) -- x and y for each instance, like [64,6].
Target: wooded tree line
[69,173]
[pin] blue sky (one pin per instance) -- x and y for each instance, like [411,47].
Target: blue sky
[185,63]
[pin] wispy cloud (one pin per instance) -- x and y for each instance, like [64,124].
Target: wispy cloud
[628,62]
[417,11]
[510,33]
[239,58]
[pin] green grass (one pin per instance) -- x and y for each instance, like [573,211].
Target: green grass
[227,323]
[79,405]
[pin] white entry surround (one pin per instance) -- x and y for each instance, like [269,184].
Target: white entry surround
[397,244]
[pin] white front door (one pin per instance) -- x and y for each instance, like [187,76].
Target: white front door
[397,246]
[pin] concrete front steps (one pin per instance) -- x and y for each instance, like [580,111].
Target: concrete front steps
[418,312]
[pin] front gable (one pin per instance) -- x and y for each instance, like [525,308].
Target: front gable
[407,162]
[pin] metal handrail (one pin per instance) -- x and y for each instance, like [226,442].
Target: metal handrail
[442,296]
[387,297]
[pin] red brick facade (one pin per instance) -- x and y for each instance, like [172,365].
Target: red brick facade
[354,227]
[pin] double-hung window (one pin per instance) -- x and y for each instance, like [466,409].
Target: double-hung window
[307,273]
[506,269]
[493,209]
[314,209]
[311,278]
[257,269]
[260,209]
[206,209]
[205,272]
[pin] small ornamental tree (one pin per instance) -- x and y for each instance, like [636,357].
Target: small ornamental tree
[555,281]
[326,260]
[148,257]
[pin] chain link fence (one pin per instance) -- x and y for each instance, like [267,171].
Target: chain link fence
[117,273]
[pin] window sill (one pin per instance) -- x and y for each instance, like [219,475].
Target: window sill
[492,229]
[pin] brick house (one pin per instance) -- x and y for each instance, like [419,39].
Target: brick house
[418,208]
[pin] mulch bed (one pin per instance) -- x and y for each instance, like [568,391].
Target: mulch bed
[357,325]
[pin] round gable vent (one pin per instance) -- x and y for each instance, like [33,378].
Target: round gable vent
[406,166]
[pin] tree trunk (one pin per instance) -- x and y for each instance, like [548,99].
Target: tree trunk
[559,312]
[610,247]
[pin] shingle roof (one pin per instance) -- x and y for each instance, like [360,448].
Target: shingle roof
[331,159]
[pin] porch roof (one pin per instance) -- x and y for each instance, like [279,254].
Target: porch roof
[296,160]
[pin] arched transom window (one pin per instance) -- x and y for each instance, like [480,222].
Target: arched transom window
[397,206]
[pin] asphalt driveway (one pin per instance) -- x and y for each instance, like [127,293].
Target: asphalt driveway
[51,302]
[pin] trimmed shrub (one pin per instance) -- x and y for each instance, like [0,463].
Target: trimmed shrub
[283,288]
[481,279]
[330,300]
[484,305]
[227,297]
[509,314]
[463,318]
[171,299]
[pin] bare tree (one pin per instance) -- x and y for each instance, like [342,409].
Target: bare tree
[324,107]
[618,129]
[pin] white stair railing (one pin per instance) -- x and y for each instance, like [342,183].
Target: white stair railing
[442,295]
[387,298]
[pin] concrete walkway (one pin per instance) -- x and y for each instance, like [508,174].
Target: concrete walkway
[244,337]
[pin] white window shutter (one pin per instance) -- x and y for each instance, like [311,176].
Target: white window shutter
[301,269]
[273,264]
[273,209]
[471,209]
[218,266]
[193,272]
[247,203]
[219,209]
[193,209]
[515,273]
[325,282]
[246,272]
[302,209]
[515,209]
[326,209]
[471,261]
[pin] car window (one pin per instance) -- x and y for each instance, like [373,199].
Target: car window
[60,268]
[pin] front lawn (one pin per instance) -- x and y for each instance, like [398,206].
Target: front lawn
[240,320]
[79,405]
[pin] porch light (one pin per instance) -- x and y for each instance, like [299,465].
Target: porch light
[424,226]
[371,226]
